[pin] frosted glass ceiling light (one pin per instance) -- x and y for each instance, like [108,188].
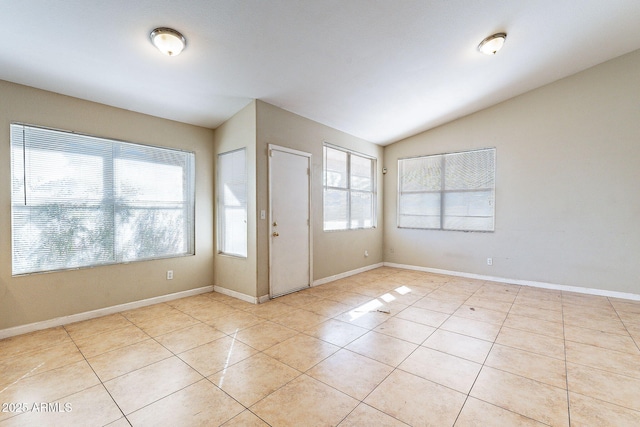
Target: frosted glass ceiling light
[492,44]
[168,41]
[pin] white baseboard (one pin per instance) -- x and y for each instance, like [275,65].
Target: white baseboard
[264,298]
[346,274]
[236,294]
[578,289]
[65,320]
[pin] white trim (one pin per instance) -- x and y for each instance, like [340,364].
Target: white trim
[289,150]
[532,283]
[235,294]
[346,274]
[65,320]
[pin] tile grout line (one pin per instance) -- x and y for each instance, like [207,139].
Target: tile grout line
[594,367]
[566,362]
[204,377]
[100,379]
[305,372]
[174,354]
[521,376]
[485,358]
[368,329]
[248,408]
[395,368]
[624,324]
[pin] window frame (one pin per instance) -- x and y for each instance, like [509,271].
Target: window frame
[108,200]
[443,191]
[348,188]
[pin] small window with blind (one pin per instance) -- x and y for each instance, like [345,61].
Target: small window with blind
[448,191]
[232,203]
[82,201]
[349,190]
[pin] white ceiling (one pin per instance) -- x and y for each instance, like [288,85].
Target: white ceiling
[381,70]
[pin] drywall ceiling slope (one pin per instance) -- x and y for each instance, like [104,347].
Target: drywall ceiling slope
[381,70]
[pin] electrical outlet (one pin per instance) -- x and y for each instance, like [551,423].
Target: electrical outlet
[489,261]
[391,250]
[366,253]
[169,274]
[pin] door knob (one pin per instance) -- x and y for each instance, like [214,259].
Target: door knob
[275,234]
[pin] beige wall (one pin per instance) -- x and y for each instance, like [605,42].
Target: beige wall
[567,189]
[235,273]
[568,157]
[333,252]
[255,127]
[38,297]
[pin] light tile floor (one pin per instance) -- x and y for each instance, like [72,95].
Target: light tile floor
[388,347]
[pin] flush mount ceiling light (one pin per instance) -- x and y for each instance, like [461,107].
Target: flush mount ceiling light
[168,41]
[492,44]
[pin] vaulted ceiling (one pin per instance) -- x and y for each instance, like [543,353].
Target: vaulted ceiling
[381,70]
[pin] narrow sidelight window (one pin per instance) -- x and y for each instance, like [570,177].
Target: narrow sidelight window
[232,203]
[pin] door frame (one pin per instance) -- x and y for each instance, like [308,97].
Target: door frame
[270,149]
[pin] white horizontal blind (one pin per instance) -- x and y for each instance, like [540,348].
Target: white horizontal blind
[81,201]
[154,192]
[448,191]
[361,183]
[469,191]
[349,190]
[420,182]
[232,203]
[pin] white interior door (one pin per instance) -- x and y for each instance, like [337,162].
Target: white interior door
[290,219]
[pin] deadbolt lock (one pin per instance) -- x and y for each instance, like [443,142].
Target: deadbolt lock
[275,224]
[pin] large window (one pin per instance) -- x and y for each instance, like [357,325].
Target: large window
[448,191]
[80,201]
[349,190]
[232,203]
